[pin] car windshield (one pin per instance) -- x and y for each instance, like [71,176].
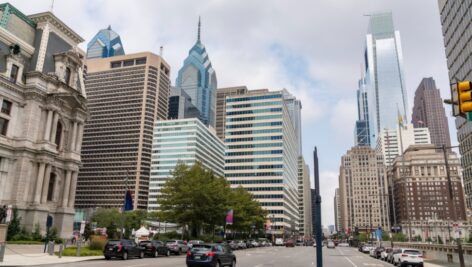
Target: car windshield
[200,247]
[171,242]
[412,252]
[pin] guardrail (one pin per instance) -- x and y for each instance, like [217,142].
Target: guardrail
[467,248]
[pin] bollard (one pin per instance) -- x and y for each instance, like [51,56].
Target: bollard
[61,247]
[2,251]
[51,248]
[78,248]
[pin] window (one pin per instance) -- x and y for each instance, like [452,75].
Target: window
[116,64]
[128,63]
[140,61]
[6,107]
[52,181]
[3,126]
[14,73]
[57,140]
[67,76]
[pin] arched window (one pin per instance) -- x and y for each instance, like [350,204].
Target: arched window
[67,76]
[57,140]
[52,181]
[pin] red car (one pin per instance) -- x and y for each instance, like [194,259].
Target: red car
[289,243]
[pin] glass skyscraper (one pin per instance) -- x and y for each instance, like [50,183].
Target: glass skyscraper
[198,79]
[106,43]
[361,132]
[384,78]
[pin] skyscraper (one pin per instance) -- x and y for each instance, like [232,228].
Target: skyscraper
[454,21]
[337,210]
[180,105]
[198,79]
[261,154]
[294,107]
[221,95]
[127,94]
[106,43]
[43,110]
[428,111]
[304,199]
[384,78]
[361,132]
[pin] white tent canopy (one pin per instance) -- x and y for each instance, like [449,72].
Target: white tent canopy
[142,232]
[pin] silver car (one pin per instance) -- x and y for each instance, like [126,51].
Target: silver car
[177,246]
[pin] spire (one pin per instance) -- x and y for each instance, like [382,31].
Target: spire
[199,26]
[109,27]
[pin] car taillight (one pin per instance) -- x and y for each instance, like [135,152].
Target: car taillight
[210,254]
[420,256]
[119,247]
[189,253]
[404,255]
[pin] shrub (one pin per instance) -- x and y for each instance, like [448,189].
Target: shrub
[97,244]
[36,235]
[85,251]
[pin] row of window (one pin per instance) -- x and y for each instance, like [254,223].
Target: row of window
[257,174]
[255,145]
[261,104]
[258,118]
[251,125]
[253,160]
[256,167]
[271,181]
[258,138]
[251,98]
[265,110]
[254,132]
[249,153]
[128,62]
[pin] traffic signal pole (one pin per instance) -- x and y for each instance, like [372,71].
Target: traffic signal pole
[317,230]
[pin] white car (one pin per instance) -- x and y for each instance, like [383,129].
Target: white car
[279,241]
[343,244]
[384,254]
[331,244]
[408,256]
[366,249]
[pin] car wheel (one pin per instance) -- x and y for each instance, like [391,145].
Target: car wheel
[179,251]
[217,264]
[141,254]
[107,258]
[125,256]
[156,253]
[167,253]
[233,263]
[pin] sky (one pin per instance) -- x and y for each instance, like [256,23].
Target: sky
[313,48]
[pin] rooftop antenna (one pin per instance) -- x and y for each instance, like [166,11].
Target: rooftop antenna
[52,5]
[199,26]
[161,51]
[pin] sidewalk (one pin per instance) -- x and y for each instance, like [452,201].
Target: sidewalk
[28,255]
[429,263]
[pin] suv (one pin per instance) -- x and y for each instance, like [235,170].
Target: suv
[176,246]
[279,241]
[210,255]
[122,249]
[154,248]
[193,242]
[407,256]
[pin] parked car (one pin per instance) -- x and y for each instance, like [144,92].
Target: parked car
[279,241]
[154,248]
[330,244]
[192,242]
[177,246]
[366,248]
[391,253]
[210,255]
[408,256]
[343,244]
[123,249]
[377,252]
[300,243]
[248,244]
[254,243]
[289,243]
[233,244]
[242,244]
[384,254]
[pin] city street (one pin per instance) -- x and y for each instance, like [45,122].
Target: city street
[260,257]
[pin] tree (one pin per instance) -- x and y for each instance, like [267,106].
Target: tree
[87,231]
[196,197]
[105,217]
[14,227]
[246,211]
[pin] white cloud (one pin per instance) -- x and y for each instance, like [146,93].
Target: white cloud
[343,118]
[329,181]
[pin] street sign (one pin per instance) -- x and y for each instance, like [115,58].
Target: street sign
[82,227]
[9,214]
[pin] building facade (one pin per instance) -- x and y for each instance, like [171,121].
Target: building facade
[384,79]
[361,130]
[455,20]
[363,190]
[106,43]
[186,141]
[180,105]
[127,94]
[393,142]
[43,100]
[261,154]
[337,211]
[429,112]
[294,107]
[198,79]
[221,95]
[421,191]
[304,199]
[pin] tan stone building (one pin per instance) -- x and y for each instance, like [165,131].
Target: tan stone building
[421,191]
[304,200]
[363,190]
[43,109]
[221,95]
[127,94]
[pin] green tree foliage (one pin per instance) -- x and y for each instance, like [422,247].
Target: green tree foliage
[363,237]
[87,231]
[112,219]
[399,237]
[247,211]
[14,227]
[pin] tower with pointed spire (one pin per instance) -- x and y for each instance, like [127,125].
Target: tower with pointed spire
[198,79]
[106,43]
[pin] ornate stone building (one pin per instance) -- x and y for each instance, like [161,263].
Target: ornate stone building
[43,109]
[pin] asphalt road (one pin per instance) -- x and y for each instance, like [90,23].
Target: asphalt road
[259,257]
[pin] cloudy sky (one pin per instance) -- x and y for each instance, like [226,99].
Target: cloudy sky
[312,47]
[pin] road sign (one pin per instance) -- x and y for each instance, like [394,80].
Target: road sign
[82,227]
[9,214]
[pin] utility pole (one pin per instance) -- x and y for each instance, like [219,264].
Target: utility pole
[317,230]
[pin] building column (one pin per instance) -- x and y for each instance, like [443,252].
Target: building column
[73,187]
[65,196]
[74,136]
[78,144]
[47,174]
[39,183]
[54,126]
[47,130]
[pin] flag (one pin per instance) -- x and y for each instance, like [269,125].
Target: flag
[229,217]
[400,119]
[128,204]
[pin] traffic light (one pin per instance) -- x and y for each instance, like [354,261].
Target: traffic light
[464,89]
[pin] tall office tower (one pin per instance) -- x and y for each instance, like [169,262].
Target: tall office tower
[198,79]
[221,95]
[304,199]
[455,16]
[106,43]
[180,105]
[294,107]
[426,182]
[337,210]
[428,111]
[43,109]
[363,190]
[391,141]
[361,132]
[185,140]
[384,79]
[261,153]
[126,95]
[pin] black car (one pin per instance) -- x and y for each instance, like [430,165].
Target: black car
[378,251]
[154,248]
[210,255]
[122,249]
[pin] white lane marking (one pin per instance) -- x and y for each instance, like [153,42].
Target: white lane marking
[372,264]
[137,265]
[259,265]
[342,254]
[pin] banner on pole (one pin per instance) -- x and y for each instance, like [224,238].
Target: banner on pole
[229,217]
